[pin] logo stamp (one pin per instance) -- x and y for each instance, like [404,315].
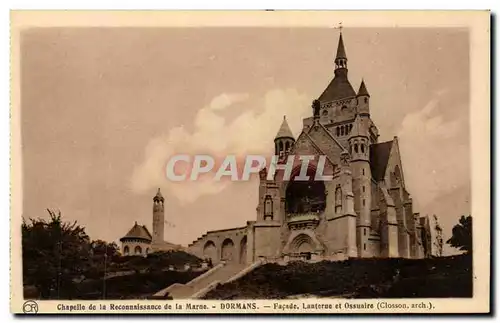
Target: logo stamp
[30,307]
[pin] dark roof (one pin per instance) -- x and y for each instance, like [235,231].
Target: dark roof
[379,156]
[138,232]
[362,89]
[284,131]
[340,48]
[339,88]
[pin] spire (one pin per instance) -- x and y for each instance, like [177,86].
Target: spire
[158,196]
[340,48]
[341,58]
[362,89]
[339,88]
[284,131]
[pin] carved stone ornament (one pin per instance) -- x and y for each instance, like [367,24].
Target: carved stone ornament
[316,107]
[344,158]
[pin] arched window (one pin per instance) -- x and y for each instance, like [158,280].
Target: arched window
[338,195]
[344,107]
[396,176]
[287,146]
[363,188]
[126,250]
[138,250]
[350,127]
[338,131]
[355,148]
[325,112]
[268,207]
[397,172]
[362,148]
[338,199]
[366,100]
[280,145]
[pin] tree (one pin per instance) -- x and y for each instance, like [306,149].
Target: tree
[101,247]
[462,234]
[55,253]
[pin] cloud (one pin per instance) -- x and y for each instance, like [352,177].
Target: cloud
[435,149]
[250,132]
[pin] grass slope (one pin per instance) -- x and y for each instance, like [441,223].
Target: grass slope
[355,278]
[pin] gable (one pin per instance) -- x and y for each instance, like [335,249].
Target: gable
[306,145]
[379,157]
[394,164]
[328,144]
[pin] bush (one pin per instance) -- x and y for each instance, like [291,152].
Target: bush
[358,278]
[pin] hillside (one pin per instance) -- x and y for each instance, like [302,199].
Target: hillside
[355,278]
[128,277]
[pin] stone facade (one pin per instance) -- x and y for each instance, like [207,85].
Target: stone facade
[136,247]
[137,242]
[364,211]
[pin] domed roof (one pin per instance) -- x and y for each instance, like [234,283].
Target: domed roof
[138,232]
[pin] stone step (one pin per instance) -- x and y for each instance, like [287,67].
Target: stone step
[221,274]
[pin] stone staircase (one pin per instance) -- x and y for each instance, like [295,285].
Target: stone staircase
[199,286]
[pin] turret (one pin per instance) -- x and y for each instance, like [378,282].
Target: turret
[284,140]
[363,100]
[360,165]
[359,141]
[158,217]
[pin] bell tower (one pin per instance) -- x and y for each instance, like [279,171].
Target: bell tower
[283,141]
[158,218]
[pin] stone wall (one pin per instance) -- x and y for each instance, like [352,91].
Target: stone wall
[229,245]
[132,247]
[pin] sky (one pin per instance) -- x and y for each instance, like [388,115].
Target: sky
[102,109]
